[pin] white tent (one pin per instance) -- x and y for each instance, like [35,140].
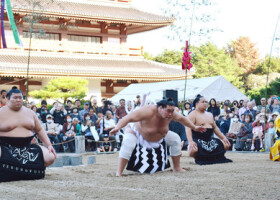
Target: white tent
[213,87]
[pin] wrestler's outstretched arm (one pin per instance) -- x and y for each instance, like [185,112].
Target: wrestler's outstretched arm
[187,122]
[145,112]
[42,135]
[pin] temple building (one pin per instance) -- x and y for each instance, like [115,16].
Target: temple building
[81,38]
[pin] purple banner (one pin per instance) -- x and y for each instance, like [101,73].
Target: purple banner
[2,24]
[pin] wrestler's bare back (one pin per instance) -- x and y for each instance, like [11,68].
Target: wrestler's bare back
[16,123]
[153,127]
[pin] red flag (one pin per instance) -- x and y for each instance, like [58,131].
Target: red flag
[186,60]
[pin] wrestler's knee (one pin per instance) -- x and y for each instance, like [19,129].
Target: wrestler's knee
[174,142]
[128,144]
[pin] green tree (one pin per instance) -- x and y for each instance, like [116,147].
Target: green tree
[272,89]
[209,61]
[247,56]
[171,57]
[148,56]
[274,65]
[62,88]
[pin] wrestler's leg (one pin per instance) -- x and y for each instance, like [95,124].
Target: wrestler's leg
[128,144]
[48,157]
[173,141]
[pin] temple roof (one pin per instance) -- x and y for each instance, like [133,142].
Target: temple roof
[14,64]
[95,11]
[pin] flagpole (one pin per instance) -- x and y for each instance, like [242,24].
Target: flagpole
[267,75]
[186,72]
[29,51]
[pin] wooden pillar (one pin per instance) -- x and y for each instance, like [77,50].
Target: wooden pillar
[104,30]
[22,86]
[109,86]
[123,32]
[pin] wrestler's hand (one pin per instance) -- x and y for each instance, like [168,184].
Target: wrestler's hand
[51,150]
[225,140]
[114,131]
[199,129]
[192,146]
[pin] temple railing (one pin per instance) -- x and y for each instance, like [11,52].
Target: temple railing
[79,47]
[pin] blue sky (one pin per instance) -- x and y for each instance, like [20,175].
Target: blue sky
[255,19]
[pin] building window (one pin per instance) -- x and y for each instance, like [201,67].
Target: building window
[88,39]
[42,35]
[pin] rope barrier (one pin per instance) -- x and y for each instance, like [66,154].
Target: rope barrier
[89,140]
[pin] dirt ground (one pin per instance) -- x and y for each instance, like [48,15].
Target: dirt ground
[250,176]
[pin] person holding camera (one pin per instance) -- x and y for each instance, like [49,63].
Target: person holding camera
[69,131]
[107,124]
[90,133]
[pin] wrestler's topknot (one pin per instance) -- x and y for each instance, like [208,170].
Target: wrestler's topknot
[12,91]
[197,99]
[166,102]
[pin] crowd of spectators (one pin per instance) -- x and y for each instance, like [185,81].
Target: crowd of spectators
[243,122]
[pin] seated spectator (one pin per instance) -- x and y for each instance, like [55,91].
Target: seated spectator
[78,104]
[43,113]
[257,132]
[84,111]
[68,106]
[78,126]
[108,123]
[225,108]
[262,106]
[251,111]
[3,99]
[187,109]
[113,109]
[234,127]
[269,136]
[43,104]
[34,108]
[75,113]
[243,107]
[58,112]
[213,108]
[223,122]
[88,130]
[52,130]
[245,133]
[274,115]
[274,107]
[105,146]
[235,107]
[95,106]
[260,119]
[99,122]
[242,120]
[69,131]
[93,116]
